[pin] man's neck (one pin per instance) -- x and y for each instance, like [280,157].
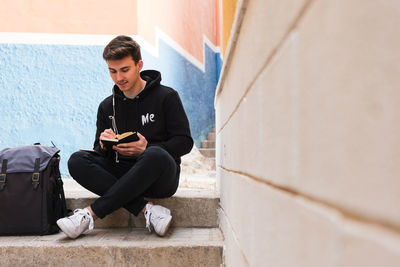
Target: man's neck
[138,89]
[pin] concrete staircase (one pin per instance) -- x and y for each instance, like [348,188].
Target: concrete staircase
[121,239]
[207,147]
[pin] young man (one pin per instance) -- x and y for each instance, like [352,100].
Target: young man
[128,172]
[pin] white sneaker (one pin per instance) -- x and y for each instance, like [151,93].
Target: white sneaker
[76,224]
[158,217]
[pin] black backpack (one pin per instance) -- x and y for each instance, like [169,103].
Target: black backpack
[31,191]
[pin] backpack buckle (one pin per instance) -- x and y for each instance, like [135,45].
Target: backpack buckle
[35,180]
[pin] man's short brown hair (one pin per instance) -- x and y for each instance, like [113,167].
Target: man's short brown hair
[121,47]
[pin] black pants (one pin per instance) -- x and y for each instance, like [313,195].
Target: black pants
[154,174]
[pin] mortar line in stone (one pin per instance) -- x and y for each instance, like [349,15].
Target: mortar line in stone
[344,212]
[234,236]
[269,59]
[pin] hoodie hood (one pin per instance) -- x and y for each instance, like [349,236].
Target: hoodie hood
[152,78]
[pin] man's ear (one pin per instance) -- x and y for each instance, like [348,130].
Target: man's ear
[140,63]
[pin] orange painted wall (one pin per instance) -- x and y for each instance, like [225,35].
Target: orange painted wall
[69,16]
[184,21]
[228,14]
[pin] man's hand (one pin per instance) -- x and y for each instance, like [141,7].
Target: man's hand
[108,133]
[132,148]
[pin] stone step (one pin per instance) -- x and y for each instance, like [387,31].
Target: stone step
[211,136]
[207,152]
[116,247]
[212,162]
[207,144]
[189,207]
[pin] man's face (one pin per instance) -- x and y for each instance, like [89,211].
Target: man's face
[126,74]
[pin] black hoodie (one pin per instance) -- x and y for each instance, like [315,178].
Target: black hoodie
[156,112]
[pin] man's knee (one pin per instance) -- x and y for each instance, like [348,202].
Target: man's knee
[156,153]
[76,160]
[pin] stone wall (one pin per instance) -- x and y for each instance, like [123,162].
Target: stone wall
[308,136]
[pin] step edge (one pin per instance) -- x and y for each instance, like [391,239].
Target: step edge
[59,240]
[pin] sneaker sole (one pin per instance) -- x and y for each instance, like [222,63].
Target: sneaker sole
[64,228]
[165,229]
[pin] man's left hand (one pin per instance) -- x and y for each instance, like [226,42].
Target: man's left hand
[133,148]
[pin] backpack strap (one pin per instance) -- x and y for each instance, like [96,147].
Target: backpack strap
[3,174]
[36,174]
[64,210]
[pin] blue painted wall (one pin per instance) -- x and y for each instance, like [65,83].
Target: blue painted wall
[51,92]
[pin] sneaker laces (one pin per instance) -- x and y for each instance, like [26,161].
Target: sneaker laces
[82,215]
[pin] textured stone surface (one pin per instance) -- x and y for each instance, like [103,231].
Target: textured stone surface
[267,121]
[208,152]
[211,136]
[260,35]
[116,247]
[207,144]
[265,226]
[308,154]
[197,171]
[322,116]
[233,255]
[349,137]
[189,207]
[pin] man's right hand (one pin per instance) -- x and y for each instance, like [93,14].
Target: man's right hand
[108,133]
